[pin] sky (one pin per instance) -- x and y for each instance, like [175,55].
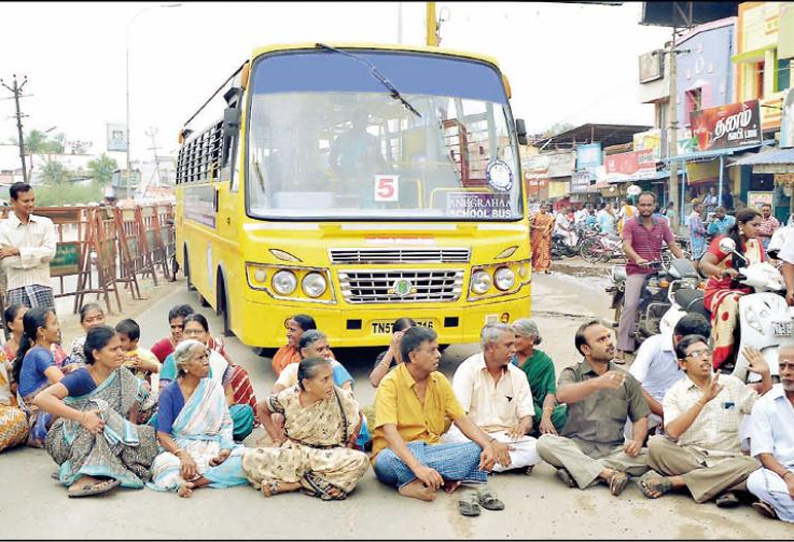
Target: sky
[566,62]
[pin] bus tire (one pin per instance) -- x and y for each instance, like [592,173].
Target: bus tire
[222,309]
[190,287]
[265,352]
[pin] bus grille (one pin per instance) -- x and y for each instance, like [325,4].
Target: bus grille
[385,286]
[398,255]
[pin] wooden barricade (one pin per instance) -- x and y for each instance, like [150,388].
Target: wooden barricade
[166,217]
[101,252]
[150,224]
[133,244]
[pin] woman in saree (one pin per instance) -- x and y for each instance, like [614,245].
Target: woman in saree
[321,422]
[95,440]
[35,370]
[539,368]
[13,421]
[13,316]
[289,353]
[234,380]
[195,429]
[697,231]
[91,316]
[541,227]
[722,294]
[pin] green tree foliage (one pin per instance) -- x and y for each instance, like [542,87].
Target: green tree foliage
[68,194]
[54,173]
[101,169]
[558,128]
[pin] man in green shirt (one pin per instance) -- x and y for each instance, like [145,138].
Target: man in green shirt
[539,369]
[600,398]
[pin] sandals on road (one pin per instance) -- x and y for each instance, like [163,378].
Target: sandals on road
[728,500]
[93,488]
[618,483]
[489,500]
[654,486]
[468,505]
[765,510]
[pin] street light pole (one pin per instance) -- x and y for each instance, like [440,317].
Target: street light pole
[129,26]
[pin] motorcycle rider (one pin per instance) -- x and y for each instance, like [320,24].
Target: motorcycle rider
[722,293]
[642,243]
[563,226]
[786,255]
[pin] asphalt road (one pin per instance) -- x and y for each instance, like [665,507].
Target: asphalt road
[33,505]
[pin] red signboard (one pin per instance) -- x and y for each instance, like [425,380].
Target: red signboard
[728,126]
[534,186]
[630,165]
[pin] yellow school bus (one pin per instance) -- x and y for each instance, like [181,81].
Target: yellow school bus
[358,184]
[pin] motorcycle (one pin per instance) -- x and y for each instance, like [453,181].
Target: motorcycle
[602,247]
[655,299]
[560,249]
[766,322]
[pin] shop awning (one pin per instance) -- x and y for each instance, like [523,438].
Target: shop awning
[772,157]
[716,153]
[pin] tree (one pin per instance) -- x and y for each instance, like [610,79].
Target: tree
[557,128]
[101,169]
[54,173]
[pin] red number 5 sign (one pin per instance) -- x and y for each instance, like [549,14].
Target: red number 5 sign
[387,188]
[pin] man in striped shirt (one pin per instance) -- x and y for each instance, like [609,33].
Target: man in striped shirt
[768,225]
[642,243]
[27,245]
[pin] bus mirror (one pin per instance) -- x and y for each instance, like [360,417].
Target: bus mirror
[231,120]
[232,96]
[521,131]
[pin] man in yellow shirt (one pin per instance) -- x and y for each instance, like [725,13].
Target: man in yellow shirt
[411,405]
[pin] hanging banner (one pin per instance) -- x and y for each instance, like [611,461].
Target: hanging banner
[728,126]
[580,182]
[630,166]
[589,156]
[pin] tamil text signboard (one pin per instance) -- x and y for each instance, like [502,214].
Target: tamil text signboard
[629,166]
[727,127]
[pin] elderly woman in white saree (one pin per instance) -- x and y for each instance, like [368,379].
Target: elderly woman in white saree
[321,423]
[195,429]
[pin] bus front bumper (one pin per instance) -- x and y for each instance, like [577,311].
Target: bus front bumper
[371,325]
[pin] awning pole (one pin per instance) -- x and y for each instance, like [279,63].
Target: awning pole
[722,169]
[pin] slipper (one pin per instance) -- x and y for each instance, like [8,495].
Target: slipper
[728,500]
[618,483]
[765,510]
[489,499]
[467,505]
[660,484]
[95,488]
[566,477]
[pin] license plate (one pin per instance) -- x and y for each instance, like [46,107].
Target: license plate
[783,329]
[383,327]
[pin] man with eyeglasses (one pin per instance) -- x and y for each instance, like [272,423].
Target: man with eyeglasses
[176,317]
[411,407]
[703,412]
[772,443]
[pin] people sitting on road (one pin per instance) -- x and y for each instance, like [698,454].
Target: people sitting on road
[13,317]
[34,368]
[321,424]
[390,356]
[13,421]
[233,379]
[549,417]
[701,448]
[95,439]
[91,316]
[495,395]
[768,227]
[176,316]
[411,405]
[772,443]
[600,398]
[656,366]
[722,292]
[642,243]
[195,428]
[720,223]
[142,362]
[289,353]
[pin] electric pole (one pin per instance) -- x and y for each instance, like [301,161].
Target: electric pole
[16,90]
[152,133]
[672,140]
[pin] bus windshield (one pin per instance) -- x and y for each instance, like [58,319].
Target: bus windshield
[326,140]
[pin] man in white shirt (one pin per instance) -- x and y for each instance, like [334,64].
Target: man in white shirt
[27,245]
[563,226]
[496,396]
[701,449]
[772,443]
[656,365]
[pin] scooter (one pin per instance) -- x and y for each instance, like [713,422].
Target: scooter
[766,322]
[685,295]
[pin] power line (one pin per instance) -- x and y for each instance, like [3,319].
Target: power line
[16,90]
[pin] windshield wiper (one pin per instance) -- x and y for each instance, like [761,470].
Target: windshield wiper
[377,75]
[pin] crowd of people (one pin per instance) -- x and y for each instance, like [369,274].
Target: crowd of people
[174,417]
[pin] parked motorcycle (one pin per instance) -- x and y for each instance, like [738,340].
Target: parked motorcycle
[602,247]
[560,249]
[766,322]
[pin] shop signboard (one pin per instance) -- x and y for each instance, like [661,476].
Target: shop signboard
[558,189]
[727,126]
[534,186]
[536,166]
[652,139]
[580,182]
[757,199]
[630,166]
[588,156]
[787,122]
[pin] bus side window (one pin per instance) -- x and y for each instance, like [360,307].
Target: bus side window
[231,133]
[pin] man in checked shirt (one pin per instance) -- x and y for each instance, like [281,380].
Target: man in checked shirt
[27,245]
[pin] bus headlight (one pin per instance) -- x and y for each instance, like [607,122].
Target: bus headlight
[285,282]
[260,275]
[504,278]
[480,282]
[314,284]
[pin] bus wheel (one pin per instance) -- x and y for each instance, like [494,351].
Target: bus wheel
[189,284]
[265,352]
[223,306]
[203,301]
